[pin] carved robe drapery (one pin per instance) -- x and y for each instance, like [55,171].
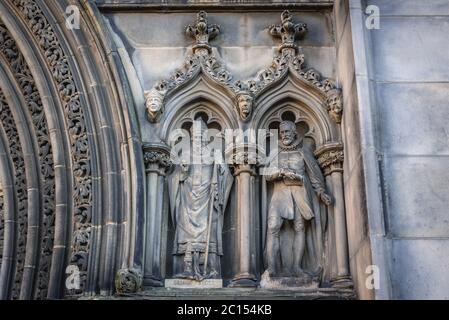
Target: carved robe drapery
[198,196]
[289,199]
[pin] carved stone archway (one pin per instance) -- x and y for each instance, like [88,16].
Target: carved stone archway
[81,194]
[63,165]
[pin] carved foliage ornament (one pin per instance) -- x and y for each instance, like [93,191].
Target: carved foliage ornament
[15,149]
[69,95]
[245,91]
[128,281]
[24,78]
[202,32]
[157,157]
[330,158]
[288,31]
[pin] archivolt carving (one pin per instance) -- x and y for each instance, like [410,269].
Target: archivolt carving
[2,223]
[31,95]
[15,149]
[70,98]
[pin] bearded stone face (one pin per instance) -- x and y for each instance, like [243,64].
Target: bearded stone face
[287,133]
[245,104]
[335,106]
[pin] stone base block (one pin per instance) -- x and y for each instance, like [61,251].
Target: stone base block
[193,284]
[288,283]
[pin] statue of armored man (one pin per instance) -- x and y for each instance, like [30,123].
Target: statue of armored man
[199,192]
[294,218]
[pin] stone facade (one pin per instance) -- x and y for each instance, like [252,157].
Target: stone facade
[90,185]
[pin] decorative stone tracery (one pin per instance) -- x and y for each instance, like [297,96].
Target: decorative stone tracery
[89,206]
[31,95]
[286,62]
[69,95]
[16,153]
[318,106]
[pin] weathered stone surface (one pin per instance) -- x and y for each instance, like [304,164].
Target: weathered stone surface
[415,56]
[287,283]
[79,191]
[191,284]
[420,267]
[402,104]
[410,183]
[239,294]
[411,7]
[244,44]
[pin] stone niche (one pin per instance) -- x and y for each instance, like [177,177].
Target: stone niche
[266,210]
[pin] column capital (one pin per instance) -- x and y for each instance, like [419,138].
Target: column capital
[330,157]
[157,158]
[244,158]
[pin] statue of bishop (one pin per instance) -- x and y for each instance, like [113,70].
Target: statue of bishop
[199,192]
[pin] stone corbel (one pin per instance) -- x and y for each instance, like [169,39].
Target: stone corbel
[245,105]
[157,163]
[334,104]
[154,103]
[128,281]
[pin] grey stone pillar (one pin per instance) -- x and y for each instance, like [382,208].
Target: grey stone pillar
[244,163]
[157,162]
[330,158]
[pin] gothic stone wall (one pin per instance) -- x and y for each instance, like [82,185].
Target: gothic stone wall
[403,93]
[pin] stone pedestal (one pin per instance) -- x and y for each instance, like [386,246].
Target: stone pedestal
[288,283]
[193,284]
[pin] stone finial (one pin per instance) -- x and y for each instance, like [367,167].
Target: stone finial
[202,32]
[288,32]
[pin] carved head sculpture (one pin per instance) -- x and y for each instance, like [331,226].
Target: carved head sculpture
[288,133]
[335,105]
[154,104]
[245,105]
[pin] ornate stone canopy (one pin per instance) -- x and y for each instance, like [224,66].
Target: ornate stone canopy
[84,206]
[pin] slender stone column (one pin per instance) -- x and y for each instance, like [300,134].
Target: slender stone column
[157,162]
[244,163]
[330,158]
